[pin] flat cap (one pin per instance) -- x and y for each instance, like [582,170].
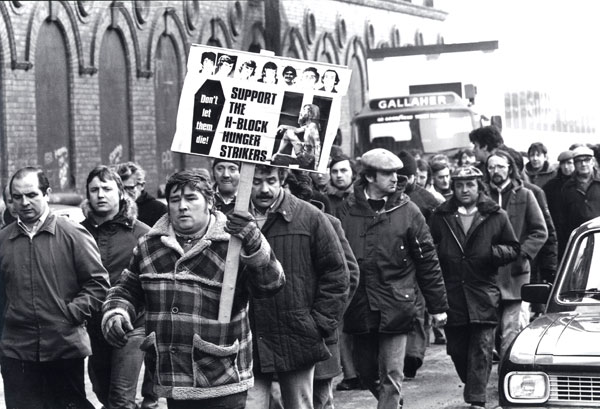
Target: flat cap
[466,173]
[566,155]
[381,159]
[582,151]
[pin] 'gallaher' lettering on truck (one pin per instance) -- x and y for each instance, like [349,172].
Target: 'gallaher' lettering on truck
[411,101]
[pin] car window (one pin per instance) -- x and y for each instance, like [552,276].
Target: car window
[581,284]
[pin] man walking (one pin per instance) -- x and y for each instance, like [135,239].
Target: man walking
[473,236]
[51,281]
[110,216]
[177,275]
[290,329]
[506,189]
[393,246]
[227,179]
[134,180]
[580,195]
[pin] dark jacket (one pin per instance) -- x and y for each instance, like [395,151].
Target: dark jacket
[553,190]
[337,196]
[470,261]
[332,367]
[542,176]
[190,354]
[52,285]
[395,254]
[150,209]
[578,206]
[116,240]
[290,329]
[544,265]
[530,228]
[424,199]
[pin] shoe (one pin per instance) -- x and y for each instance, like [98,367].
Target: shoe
[349,385]
[440,341]
[476,407]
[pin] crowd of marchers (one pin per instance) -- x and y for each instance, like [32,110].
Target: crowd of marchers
[343,272]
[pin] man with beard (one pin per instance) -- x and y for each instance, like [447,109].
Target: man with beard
[290,330]
[226,174]
[110,217]
[473,237]
[506,189]
[393,246]
[303,142]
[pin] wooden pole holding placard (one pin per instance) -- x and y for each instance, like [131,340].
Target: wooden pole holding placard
[242,201]
[232,261]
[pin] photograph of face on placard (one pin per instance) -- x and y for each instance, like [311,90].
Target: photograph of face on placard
[268,72]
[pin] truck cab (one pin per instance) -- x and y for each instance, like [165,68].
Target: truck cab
[429,122]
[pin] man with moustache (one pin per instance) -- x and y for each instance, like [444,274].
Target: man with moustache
[290,330]
[110,217]
[176,274]
[51,282]
[393,246]
[580,195]
[226,174]
[506,188]
[473,237]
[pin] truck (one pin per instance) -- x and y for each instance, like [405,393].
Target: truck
[428,98]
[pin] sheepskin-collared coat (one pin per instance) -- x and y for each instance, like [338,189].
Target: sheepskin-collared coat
[191,354]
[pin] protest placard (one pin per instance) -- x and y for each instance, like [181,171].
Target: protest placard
[258,108]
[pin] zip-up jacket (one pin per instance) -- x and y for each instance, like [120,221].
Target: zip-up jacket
[395,254]
[470,261]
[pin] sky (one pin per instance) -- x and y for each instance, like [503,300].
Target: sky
[542,42]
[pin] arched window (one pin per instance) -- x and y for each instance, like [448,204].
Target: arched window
[53,118]
[167,89]
[115,129]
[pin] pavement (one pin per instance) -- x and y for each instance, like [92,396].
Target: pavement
[436,386]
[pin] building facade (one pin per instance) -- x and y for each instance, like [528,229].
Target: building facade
[98,82]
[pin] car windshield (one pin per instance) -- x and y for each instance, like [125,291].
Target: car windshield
[581,284]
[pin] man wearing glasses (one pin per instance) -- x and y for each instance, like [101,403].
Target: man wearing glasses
[580,195]
[134,181]
[507,190]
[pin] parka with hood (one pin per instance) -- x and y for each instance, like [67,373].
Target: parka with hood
[470,261]
[395,254]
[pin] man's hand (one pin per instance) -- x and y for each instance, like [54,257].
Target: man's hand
[115,330]
[439,320]
[243,226]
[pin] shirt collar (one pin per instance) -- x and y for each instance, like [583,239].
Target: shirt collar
[36,226]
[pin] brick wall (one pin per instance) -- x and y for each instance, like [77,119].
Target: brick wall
[238,25]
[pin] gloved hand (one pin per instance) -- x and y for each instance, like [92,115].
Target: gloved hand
[243,226]
[115,330]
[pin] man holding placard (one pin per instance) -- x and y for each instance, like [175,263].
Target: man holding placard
[177,274]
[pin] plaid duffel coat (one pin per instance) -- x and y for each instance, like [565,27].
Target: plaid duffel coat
[190,354]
